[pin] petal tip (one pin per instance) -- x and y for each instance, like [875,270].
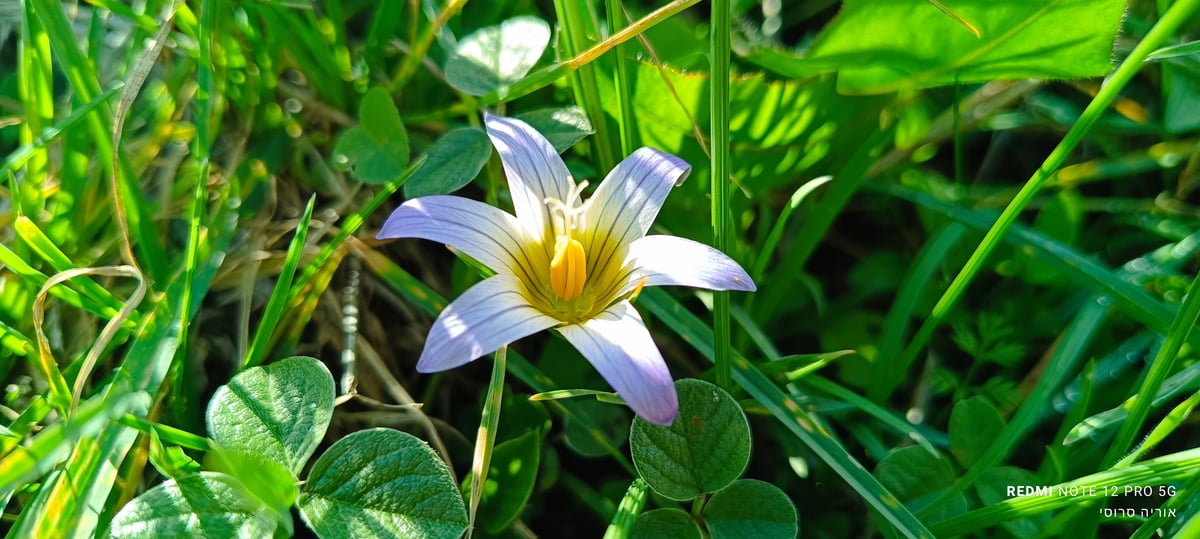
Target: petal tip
[743,283]
[663,413]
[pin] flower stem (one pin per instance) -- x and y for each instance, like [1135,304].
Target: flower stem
[628,511]
[487,435]
[719,131]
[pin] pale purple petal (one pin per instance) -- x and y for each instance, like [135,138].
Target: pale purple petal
[627,201]
[489,315]
[619,347]
[534,170]
[670,260]
[483,232]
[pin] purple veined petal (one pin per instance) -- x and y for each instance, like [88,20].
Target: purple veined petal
[489,315]
[627,201]
[619,347]
[483,232]
[670,260]
[534,170]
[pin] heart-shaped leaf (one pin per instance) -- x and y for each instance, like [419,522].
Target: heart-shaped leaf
[497,56]
[382,483]
[279,411]
[376,150]
[208,504]
[452,162]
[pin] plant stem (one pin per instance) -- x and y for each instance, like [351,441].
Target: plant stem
[487,435]
[719,132]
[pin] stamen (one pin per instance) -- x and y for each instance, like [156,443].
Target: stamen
[568,268]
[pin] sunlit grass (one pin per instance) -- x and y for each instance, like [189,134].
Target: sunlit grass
[172,216]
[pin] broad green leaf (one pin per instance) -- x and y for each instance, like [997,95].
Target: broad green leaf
[880,46]
[563,127]
[974,425]
[207,504]
[376,150]
[913,472]
[382,483]
[494,57]
[703,450]
[279,411]
[665,524]
[510,479]
[751,509]
[782,129]
[454,160]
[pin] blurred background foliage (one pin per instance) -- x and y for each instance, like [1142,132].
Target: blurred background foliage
[927,130]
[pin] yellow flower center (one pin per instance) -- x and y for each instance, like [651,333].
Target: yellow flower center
[585,277]
[568,268]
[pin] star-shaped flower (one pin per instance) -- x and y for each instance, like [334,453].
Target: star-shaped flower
[566,263]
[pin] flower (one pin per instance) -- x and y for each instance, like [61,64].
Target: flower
[565,263]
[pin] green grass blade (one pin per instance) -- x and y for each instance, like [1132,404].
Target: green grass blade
[274,309]
[1174,419]
[1160,368]
[885,416]
[772,241]
[86,86]
[579,28]
[1185,380]
[14,341]
[55,442]
[37,279]
[58,260]
[916,281]
[626,119]
[719,179]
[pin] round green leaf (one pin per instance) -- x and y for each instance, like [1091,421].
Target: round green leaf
[496,56]
[665,524]
[913,472]
[279,411]
[705,449]
[454,160]
[993,486]
[382,483]
[751,509]
[207,504]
